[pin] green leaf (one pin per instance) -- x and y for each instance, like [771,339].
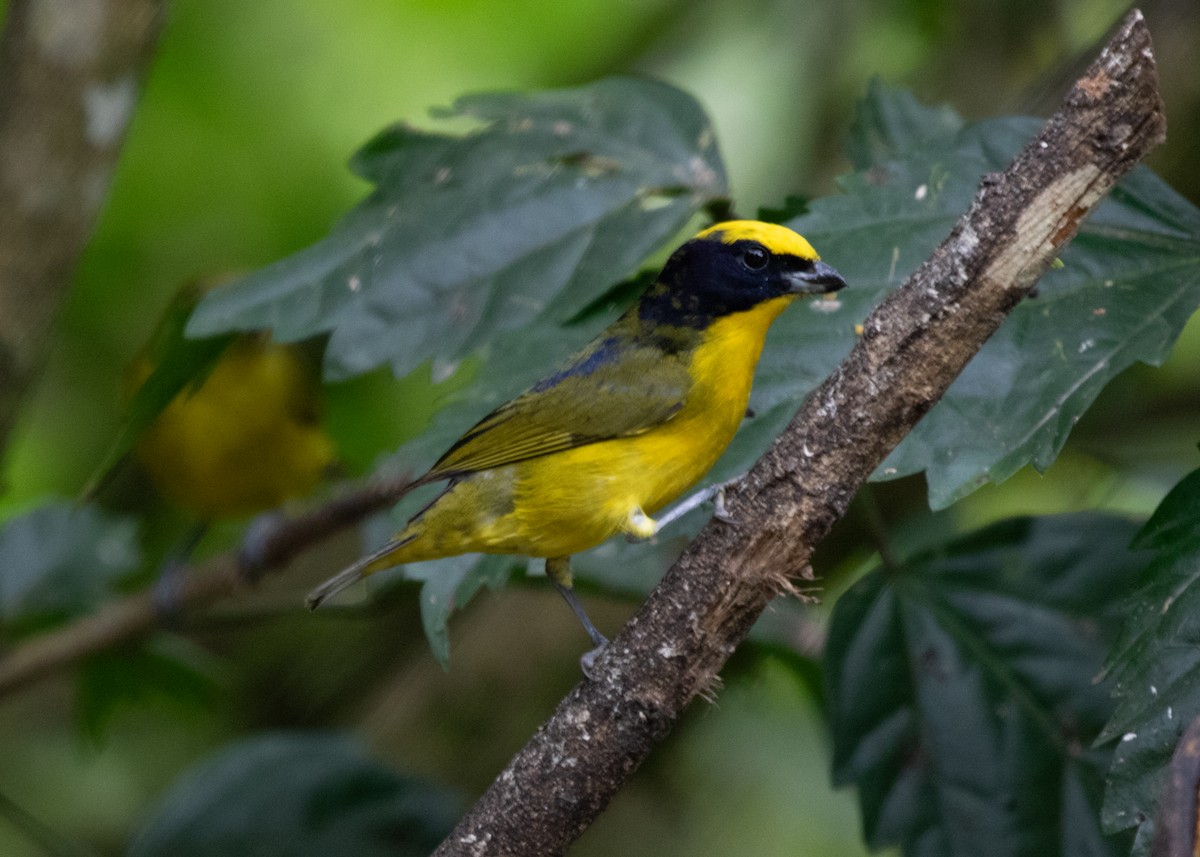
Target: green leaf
[961,693]
[449,584]
[296,795]
[177,364]
[61,559]
[1155,667]
[466,237]
[1177,518]
[792,206]
[889,123]
[1129,282]
[164,668]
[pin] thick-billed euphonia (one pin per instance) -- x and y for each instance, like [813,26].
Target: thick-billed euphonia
[245,439]
[241,438]
[622,427]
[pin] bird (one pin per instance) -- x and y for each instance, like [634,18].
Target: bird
[245,439]
[244,435]
[621,428]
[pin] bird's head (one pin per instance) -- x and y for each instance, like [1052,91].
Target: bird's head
[732,267]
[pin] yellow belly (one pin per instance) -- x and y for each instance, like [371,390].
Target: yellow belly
[557,515]
[567,502]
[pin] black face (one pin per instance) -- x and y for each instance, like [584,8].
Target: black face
[707,278]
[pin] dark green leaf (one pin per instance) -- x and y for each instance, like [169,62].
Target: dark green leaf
[163,668]
[1177,518]
[61,559]
[793,206]
[961,691]
[620,296]
[296,795]
[891,123]
[467,237]
[449,584]
[1129,282]
[1155,667]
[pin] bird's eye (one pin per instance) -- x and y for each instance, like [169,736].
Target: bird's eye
[755,258]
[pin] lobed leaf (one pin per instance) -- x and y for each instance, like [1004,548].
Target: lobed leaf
[296,795]
[466,237]
[61,559]
[961,694]
[1155,667]
[1129,282]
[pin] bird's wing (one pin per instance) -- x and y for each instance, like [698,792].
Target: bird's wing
[611,389]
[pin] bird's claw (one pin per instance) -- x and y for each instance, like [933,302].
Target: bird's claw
[587,661]
[720,512]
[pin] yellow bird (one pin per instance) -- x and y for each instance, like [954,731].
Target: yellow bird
[243,441]
[621,428]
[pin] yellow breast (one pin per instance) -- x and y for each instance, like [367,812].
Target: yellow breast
[566,502]
[571,501]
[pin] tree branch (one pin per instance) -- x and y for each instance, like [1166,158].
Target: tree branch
[913,346]
[270,547]
[69,76]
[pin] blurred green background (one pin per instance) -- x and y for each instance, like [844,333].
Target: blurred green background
[236,157]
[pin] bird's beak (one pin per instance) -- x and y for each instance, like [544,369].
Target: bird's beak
[819,279]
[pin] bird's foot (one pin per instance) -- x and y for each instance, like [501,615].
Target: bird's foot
[719,511]
[587,661]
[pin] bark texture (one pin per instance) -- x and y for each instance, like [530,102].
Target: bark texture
[270,545]
[70,72]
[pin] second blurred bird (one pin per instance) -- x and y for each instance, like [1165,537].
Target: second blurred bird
[243,431]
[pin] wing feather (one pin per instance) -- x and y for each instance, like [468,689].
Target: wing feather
[613,388]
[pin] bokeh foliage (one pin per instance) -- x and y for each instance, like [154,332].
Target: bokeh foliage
[242,166]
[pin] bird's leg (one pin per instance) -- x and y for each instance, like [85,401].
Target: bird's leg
[170,580]
[558,569]
[641,527]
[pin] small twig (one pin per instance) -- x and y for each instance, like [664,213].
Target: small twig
[211,581]
[913,346]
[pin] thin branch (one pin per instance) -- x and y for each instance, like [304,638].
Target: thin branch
[272,547]
[912,348]
[69,81]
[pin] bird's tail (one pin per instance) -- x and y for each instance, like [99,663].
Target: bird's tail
[344,579]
